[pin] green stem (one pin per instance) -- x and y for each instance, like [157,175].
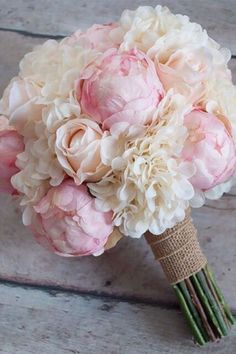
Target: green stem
[212,289]
[220,295]
[201,311]
[214,306]
[203,304]
[196,332]
[206,305]
[192,309]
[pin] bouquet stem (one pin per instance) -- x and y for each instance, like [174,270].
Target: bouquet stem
[204,307]
[186,268]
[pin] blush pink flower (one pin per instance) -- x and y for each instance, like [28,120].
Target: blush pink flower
[211,148]
[120,87]
[188,70]
[18,104]
[11,144]
[96,37]
[68,223]
[78,145]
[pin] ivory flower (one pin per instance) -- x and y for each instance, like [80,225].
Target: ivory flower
[149,189]
[113,144]
[38,165]
[142,27]
[78,145]
[67,222]
[120,87]
[54,67]
[56,76]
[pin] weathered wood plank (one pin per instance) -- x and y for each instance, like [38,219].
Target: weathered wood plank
[37,322]
[12,49]
[61,17]
[129,269]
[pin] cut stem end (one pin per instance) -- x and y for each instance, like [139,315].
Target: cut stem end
[204,307]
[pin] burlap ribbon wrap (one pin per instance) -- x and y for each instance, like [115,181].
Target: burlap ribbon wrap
[178,250]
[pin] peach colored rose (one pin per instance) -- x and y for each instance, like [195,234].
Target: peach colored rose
[11,144]
[211,148]
[120,87]
[68,224]
[18,104]
[78,144]
[189,69]
[96,37]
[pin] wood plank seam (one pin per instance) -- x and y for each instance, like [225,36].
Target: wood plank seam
[32,34]
[56,289]
[53,290]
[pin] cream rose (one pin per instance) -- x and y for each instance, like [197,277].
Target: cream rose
[78,144]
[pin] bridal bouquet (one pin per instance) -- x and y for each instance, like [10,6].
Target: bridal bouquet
[118,131]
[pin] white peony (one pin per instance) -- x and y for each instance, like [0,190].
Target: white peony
[55,67]
[39,168]
[149,189]
[141,28]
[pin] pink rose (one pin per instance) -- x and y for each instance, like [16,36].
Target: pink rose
[120,87]
[211,148]
[78,145]
[18,104]
[11,144]
[96,37]
[68,223]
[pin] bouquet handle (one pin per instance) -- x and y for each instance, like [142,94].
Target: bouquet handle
[198,294]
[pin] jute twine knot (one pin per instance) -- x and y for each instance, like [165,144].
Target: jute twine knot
[178,250]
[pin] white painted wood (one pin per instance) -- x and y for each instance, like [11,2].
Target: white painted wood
[129,269]
[62,17]
[35,322]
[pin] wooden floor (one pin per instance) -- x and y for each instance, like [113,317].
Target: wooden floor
[119,303]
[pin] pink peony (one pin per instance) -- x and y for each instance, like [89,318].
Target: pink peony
[68,223]
[11,144]
[120,87]
[96,37]
[211,148]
